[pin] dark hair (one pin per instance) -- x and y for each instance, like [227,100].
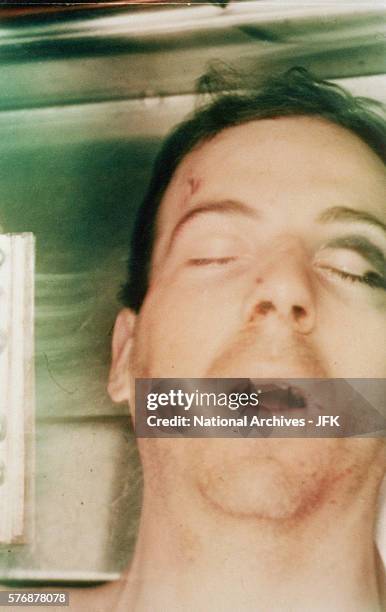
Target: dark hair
[234,100]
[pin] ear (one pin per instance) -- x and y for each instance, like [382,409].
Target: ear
[119,379]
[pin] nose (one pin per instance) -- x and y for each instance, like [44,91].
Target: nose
[281,290]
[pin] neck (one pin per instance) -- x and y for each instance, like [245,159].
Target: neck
[190,553]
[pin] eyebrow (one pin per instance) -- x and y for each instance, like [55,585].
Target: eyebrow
[230,207]
[224,207]
[341,213]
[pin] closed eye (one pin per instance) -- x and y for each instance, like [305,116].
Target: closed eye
[353,266]
[211,261]
[372,279]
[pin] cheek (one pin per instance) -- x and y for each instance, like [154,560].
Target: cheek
[351,339]
[182,328]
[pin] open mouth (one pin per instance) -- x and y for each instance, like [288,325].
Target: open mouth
[277,398]
[274,396]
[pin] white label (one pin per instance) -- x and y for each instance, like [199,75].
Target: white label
[16,377]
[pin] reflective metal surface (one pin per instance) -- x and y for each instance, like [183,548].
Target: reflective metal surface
[83,56]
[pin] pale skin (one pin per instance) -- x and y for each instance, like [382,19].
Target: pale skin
[262,277]
[267,237]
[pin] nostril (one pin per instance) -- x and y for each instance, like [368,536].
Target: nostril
[264,307]
[298,312]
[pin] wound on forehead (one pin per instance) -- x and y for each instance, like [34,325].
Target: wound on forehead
[190,186]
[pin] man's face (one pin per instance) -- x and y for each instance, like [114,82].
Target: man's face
[269,262]
[266,237]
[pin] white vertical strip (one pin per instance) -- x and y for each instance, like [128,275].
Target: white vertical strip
[16,378]
[29,389]
[5,300]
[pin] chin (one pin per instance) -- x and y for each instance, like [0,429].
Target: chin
[276,480]
[259,492]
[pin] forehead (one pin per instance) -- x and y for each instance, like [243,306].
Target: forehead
[269,161]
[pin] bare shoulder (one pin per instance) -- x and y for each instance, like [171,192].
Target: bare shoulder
[381,577]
